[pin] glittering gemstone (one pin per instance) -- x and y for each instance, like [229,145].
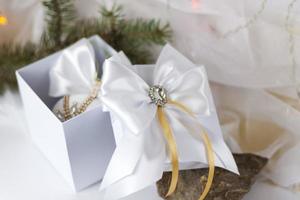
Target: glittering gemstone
[158,95]
[74,110]
[60,116]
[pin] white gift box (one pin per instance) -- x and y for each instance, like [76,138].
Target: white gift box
[80,148]
[166,109]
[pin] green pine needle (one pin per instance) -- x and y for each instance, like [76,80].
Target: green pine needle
[133,36]
[60,18]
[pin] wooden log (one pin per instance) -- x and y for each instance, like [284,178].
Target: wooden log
[226,185]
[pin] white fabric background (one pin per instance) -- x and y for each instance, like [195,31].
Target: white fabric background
[255,87]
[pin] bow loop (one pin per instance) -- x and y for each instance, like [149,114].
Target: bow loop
[125,94]
[74,72]
[170,66]
[185,82]
[191,89]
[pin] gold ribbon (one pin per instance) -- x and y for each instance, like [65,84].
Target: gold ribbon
[173,149]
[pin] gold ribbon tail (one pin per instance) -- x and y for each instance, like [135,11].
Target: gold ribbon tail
[209,151]
[211,164]
[172,148]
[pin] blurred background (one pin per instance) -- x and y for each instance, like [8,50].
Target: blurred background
[251,50]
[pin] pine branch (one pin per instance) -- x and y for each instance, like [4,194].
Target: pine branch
[148,31]
[133,36]
[113,15]
[60,18]
[11,60]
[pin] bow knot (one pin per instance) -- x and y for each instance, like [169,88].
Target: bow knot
[158,95]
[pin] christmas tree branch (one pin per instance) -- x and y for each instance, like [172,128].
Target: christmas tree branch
[60,17]
[148,31]
[133,36]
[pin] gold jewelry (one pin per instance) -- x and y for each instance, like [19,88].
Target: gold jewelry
[158,95]
[74,110]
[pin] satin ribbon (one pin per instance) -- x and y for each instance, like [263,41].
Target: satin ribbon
[142,129]
[75,70]
[172,147]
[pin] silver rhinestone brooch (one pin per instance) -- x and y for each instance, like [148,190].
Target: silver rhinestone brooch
[158,95]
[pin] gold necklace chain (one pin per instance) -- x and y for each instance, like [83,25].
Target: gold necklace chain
[74,110]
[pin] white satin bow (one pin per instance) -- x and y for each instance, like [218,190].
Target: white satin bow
[140,157]
[74,71]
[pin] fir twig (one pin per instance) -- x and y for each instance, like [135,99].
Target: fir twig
[11,60]
[60,18]
[133,36]
[148,31]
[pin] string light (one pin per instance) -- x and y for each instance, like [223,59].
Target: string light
[195,3]
[3,20]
